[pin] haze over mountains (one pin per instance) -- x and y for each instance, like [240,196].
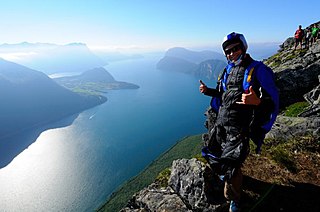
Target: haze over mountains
[202,64]
[52,58]
[29,98]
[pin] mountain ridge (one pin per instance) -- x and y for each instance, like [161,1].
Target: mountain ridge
[202,64]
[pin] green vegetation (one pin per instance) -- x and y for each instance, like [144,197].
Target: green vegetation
[284,153]
[273,61]
[163,177]
[186,148]
[283,57]
[283,157]
[295,109]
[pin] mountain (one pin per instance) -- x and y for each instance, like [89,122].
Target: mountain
[94,80]
[52,58]
[203,64]
[193,56]
[29,98]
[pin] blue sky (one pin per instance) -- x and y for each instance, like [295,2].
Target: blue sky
[151,24]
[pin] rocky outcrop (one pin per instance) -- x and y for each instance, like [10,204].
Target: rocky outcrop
[289,127]
[296,72]
[298,79]
[190,188]
[313,98]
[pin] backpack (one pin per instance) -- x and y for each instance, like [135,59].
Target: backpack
[222,79]
[268,118]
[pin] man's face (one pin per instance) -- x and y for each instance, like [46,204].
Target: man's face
[233,52]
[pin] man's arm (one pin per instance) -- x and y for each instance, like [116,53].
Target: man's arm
[207,91]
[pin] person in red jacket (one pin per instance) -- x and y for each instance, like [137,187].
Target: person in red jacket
[298,35]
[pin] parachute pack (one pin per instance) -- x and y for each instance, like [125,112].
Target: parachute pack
[265,126]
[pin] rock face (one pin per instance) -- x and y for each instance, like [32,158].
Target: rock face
[296,71]
[313,97]
[187,190]
[298,79]
[290,127]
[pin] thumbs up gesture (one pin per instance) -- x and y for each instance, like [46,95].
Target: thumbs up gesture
[250,98]
[202,88]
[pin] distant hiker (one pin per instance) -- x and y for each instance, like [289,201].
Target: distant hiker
[314,33]
[307,38]
[246,103]
[298,36]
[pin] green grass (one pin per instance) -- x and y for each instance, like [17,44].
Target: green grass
[163,178]
[186,148]
[295,109]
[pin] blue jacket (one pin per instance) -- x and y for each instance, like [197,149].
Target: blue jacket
[257,75]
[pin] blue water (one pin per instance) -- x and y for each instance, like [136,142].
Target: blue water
[76,167]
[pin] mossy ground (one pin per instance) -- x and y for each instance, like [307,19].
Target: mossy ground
[295,109]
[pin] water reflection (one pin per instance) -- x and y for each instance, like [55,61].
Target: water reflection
[12,146]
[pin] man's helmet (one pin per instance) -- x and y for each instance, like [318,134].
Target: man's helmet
[234,38]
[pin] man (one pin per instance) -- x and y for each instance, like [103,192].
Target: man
[314,33]
[298,35]
[246,102]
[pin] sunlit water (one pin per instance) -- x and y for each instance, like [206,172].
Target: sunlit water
[75,168]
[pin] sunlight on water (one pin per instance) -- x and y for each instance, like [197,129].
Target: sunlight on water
[48,164]
[75,168]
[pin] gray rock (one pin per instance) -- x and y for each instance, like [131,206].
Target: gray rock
[155,199]
[289,127]
[190,180]
[313,98]
[191,187]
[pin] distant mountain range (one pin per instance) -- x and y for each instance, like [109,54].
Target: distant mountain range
[52,58]
[193,56]
[29,98]
[203,64]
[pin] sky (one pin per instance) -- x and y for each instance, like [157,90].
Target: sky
[151,24]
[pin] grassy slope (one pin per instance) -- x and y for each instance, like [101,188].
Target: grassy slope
[186,148]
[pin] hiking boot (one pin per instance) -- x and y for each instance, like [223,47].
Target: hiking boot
[234,206]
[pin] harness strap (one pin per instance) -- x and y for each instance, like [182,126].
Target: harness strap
[247,75]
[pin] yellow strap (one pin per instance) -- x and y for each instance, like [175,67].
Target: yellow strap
[249,75]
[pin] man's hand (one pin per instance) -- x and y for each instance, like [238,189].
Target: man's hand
[202,88]
[250,98]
